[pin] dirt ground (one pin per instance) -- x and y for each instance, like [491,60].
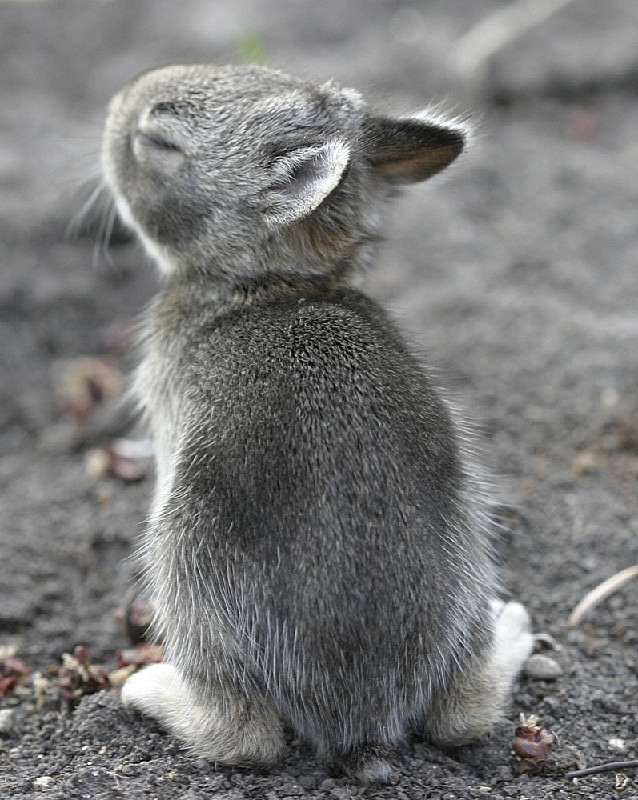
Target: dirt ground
[516,274]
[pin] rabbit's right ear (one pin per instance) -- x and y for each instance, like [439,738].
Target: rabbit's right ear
[410,149]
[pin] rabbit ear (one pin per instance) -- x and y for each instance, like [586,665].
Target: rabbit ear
[411,149]
[304,178]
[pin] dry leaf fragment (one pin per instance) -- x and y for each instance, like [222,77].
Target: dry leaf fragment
[140,656]
[42,688]
[77,677]
[129,459]
[84,383]
[13,673]
[532,744]
[118,676]
[622,782]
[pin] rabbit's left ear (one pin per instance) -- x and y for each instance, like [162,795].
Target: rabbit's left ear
[411,149]
[302,179]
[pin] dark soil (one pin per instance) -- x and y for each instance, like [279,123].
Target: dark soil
[517,273]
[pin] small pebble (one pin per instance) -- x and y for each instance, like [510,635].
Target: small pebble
[96,463]
[6,720]
[545,641]
[542,667]
[617,745]
[551,703]
[585,463]
[43,783]
[118,676]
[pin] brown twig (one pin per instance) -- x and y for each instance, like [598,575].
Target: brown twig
[471,55]
[600,593]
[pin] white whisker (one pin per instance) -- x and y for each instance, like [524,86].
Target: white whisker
[102,244]
[78,219]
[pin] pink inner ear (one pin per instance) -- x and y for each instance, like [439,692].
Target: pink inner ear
[308,176]
[417,165]
[410,149]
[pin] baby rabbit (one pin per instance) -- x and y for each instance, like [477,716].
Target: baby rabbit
[318,547]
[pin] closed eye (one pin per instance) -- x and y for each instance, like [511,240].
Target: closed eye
[157,141]
[158,151]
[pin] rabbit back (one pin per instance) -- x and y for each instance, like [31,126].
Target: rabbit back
[316,518]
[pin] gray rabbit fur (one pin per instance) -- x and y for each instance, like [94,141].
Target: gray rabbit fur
[319,546]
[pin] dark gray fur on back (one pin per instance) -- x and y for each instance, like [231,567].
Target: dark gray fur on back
[318,479]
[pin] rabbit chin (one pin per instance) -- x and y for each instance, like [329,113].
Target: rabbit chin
[155,251]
